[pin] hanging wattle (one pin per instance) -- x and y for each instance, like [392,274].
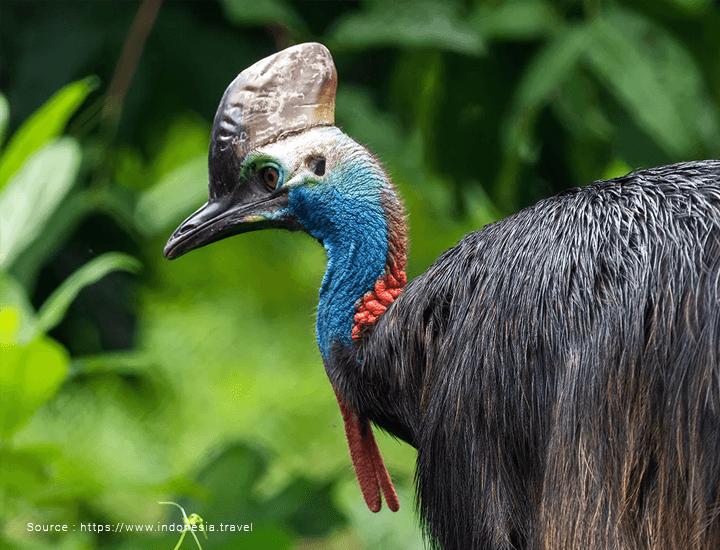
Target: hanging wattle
[369,466]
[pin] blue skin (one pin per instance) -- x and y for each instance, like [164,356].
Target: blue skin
[342,209]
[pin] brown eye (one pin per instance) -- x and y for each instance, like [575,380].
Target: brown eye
[270,176]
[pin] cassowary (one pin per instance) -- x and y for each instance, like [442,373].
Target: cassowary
[558,371]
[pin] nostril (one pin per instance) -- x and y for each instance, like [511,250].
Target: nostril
[187,226]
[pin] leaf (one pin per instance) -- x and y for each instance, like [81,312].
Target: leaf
[34,193]
[173,197]
[29,375]
[55,307]
[549,70]
[693,7]
[578,108]
[46,123]
[17,316]
[656,80]
[23,470]
[4,116]
[409,25]
[183,139]
[517,20]
[541,82]
[356,113]
[418,90]
[615,169]
[242,12]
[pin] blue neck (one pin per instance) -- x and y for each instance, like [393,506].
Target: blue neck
[347,216]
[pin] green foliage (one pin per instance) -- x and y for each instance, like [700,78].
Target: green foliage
[4,116]
[169,199]
[54,308]
[204,385]
[33,366]
[259,13]
[428,24]
[41,169]
[655,79]
[46,124]
[33,193]
[520,21]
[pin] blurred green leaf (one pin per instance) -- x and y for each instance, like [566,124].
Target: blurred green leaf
[481,210]
[422,72]
[27,266]
[516,20]
[542,80]
[29,373]
[615,169]
[32,365]
[242,12]
[46,123]
[305,507]
[19,328]
[385,530]
[655,79]
[129,167]
[428,24]
[23,470]
[578,108]
[361,119]
[54,308]
[173,198]
[4,117]
[124,363]
[34,193]
[178,174]
[691,6]
[184,139]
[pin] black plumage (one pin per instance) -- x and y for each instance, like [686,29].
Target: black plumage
[559,372]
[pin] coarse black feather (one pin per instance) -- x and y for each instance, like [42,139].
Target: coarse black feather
[559,372]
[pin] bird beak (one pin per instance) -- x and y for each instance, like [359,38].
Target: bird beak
[224,217]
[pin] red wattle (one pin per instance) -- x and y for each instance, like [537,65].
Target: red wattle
[370,470]
[377,300]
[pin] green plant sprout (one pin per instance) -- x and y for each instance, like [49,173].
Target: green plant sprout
[193,520]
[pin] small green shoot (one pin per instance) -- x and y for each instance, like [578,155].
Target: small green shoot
[193,520]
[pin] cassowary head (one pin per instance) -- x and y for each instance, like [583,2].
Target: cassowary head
[276,160]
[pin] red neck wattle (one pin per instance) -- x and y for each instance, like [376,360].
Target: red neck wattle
[372,475]
[370,470]
[377,300]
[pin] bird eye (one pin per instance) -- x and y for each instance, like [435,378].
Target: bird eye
[319,168]
[270,176]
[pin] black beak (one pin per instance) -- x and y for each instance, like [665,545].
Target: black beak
[231,215]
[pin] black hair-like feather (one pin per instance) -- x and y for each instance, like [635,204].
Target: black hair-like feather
[559,372]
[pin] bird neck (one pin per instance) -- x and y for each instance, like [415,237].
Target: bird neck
[387,287]
[360,223]
[358,286]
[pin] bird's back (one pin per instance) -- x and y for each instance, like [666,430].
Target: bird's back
[561,371]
